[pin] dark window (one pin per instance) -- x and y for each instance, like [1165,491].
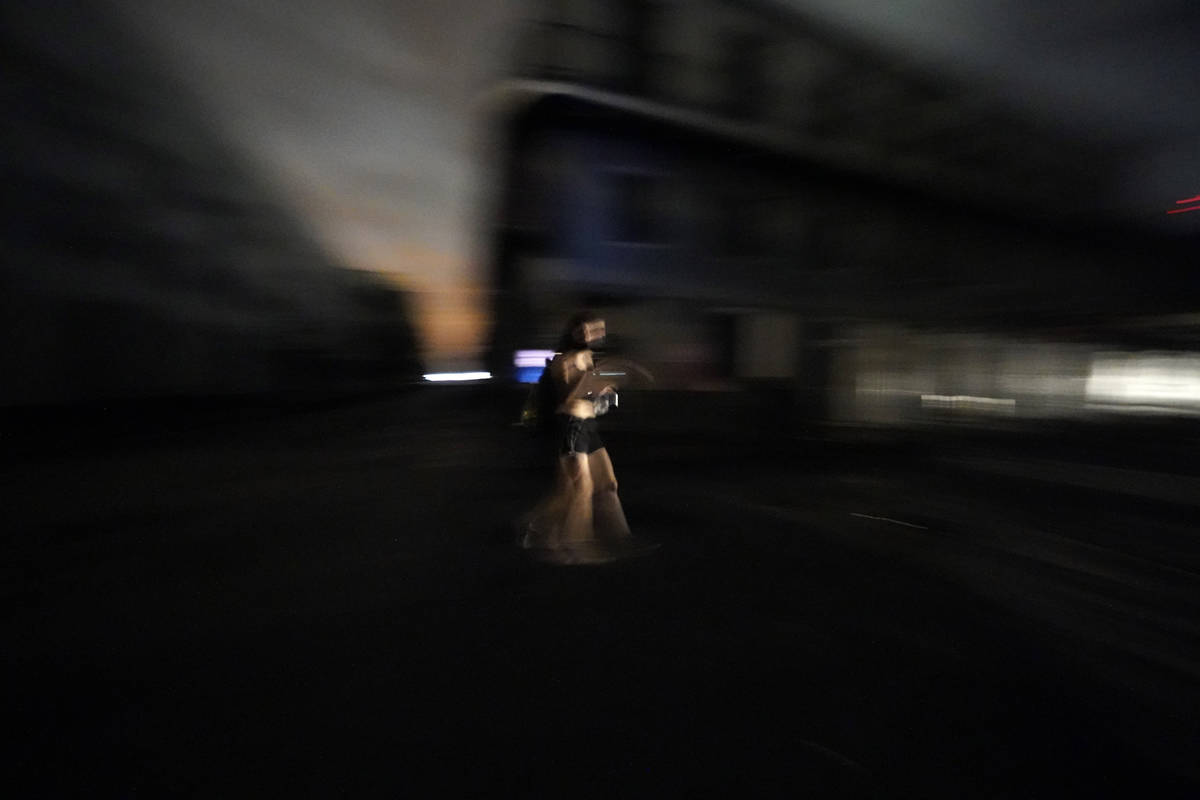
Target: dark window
[634,210]
[741,224]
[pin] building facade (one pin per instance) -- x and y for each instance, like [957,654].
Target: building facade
[760,203]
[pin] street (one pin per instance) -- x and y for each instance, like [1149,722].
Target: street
[328,602]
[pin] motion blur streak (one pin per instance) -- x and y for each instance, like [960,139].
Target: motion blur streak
[1164,381]
[907,353]
[458,376]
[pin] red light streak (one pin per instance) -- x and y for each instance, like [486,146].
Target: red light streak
[1195,199]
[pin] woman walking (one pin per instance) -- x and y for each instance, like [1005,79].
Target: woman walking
[581,521]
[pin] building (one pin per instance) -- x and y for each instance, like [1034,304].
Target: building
[761,203]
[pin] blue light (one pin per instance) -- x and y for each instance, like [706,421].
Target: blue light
[529,374]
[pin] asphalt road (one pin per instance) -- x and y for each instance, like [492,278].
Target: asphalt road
[327,602]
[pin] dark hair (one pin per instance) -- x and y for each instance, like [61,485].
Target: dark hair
[568,341]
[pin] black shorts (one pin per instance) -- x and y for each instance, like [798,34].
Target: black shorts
[577,435]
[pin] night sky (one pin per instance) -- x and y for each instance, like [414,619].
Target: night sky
[1116,72]
[365,116]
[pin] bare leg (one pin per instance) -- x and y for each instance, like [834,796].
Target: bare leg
[577,497]
[540,528]
[608,515]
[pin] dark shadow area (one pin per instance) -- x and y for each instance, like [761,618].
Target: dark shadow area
[266,611]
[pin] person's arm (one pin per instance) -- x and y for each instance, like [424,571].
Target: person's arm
[573,372]
[585,361]
[622,370]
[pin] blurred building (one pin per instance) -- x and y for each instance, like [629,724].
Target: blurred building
[143,256]
[759,202]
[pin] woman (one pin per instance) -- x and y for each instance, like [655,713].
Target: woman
[581,521]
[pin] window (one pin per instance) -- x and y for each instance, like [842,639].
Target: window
[636,214]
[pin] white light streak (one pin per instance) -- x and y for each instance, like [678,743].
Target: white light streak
[968,402]
[441,377]
[1145,379]
[888,519]
[531,358]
